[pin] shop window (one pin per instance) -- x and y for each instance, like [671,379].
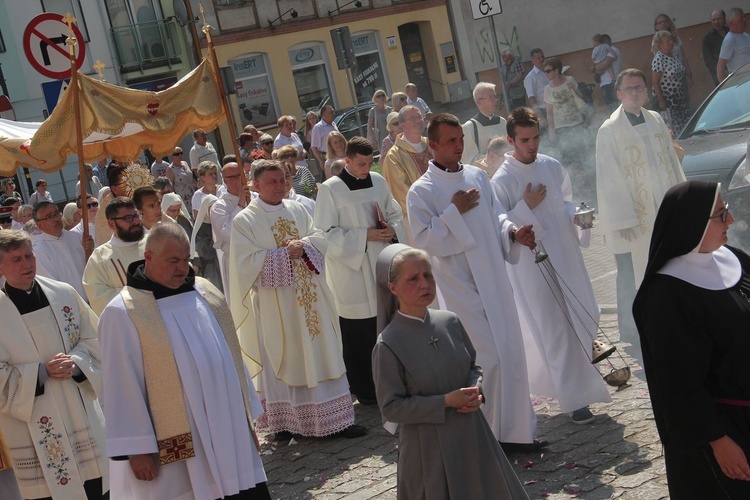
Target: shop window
[370,74]
[62,7]
[255,90]
[311,76]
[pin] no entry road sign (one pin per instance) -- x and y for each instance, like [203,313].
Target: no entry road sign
[44,44]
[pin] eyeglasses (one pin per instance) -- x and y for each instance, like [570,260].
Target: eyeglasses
[548,71]
[414,119]
[56,215]
[634,90]
[378,96]
[288,156]
[394,124]
[128,218]
[723,215]
[93,204]
[177,154]
[267,143]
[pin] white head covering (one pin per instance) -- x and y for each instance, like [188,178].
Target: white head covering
[171,199]
[206,203]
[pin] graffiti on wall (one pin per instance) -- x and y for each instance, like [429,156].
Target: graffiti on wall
[484,44]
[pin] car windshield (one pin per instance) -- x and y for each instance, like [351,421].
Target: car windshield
[729,107]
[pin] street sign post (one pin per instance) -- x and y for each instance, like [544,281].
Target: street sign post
[488,8]
[44,43]
[53,91]
[485,8]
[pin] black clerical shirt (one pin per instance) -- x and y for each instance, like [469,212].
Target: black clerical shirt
[137,279]
[354,183]
[635,119]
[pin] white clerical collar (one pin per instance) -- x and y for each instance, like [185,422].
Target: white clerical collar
[416,146]
[489,117]
[267,207]
[117,242]
[421,320]
[717,270]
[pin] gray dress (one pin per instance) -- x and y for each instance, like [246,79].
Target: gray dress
[442,453]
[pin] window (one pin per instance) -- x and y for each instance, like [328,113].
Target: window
[2,43]
[255,90]
[311,76]
[62,7]
[229,2]
[370,74]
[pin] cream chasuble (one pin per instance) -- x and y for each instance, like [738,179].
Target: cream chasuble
[102,232]
[632,176]
[287,321]
[56,439]
[106,271]
[283,300]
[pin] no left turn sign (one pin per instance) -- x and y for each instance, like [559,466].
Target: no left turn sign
[44,44]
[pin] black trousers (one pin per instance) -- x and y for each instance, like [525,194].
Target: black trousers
[358,337]
[260,492]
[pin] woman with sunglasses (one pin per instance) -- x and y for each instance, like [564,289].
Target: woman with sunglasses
[377,119]
[182,178]
[692,311]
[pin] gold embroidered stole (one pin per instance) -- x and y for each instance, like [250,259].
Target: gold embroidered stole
[163,385]
[5,461]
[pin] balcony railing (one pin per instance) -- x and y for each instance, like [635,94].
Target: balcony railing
[147,45]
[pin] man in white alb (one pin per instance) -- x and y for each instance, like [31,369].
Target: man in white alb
[454,217]
[178,402]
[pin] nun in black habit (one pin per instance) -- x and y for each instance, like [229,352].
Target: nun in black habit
[693,315]
[428,382]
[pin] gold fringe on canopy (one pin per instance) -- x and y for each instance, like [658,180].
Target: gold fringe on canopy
[117,122]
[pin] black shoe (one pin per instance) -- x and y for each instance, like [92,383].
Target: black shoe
[353,431]
[283,436]
[534,447]
[367,401]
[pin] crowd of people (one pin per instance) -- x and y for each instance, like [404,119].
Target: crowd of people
[142,358]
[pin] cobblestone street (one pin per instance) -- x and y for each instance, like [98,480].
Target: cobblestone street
[617,456]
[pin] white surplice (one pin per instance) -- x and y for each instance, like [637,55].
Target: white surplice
[61,259]
[106,271]
[56,439]
[468,252]
[288,321]
[558,311]
[344,216]
[226,460]
[222,214]
[635,166]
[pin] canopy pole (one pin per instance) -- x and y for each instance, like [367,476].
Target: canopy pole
[225,105]
[71,41]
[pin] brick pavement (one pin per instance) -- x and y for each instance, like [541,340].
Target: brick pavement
[617,456]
